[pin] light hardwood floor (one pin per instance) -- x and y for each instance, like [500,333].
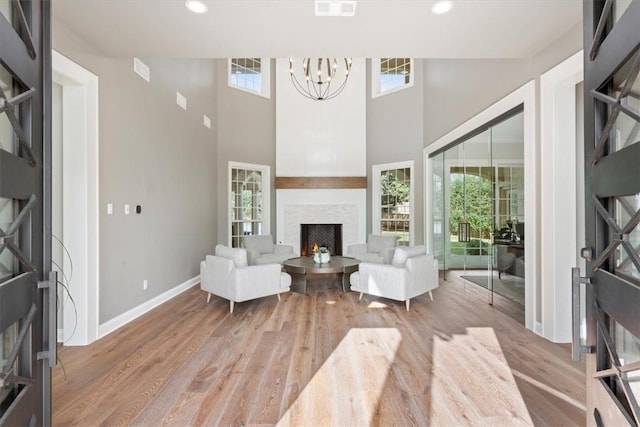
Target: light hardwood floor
[322,359]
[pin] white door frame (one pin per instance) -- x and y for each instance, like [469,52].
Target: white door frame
[80,202]
[266,195]
[376,195]
[526,96]
[561,204]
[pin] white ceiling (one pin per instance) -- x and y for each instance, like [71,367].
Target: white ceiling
[284,28]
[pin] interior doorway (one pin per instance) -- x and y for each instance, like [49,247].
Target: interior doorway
[75,212]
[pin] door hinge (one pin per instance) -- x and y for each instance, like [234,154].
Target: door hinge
[50,317]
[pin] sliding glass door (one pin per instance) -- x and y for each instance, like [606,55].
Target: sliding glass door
[477,187]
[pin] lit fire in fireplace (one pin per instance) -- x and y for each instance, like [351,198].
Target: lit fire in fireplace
[314,248]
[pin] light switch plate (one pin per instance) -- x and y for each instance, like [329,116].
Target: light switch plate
[126,209]
[181,100]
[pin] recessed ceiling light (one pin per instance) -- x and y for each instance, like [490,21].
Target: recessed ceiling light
[196,6]
[442,7]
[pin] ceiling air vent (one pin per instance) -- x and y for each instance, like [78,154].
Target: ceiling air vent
[141,69]
[335,7]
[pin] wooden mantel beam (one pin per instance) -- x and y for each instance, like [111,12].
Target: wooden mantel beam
[320,182]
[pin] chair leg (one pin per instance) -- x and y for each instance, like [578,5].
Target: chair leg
[361,293]
[208,297]
[279,299]
[407,303]
[230,306]
[431,295]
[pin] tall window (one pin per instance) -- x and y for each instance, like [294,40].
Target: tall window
[249,201]
[390,75]
[393,200]
[251,75]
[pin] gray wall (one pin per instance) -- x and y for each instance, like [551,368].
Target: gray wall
[455,90]
[395,134]
[159,156]
[246,125]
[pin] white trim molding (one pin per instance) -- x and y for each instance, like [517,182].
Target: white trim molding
[376,71]
[376,170]
[265,79]
[525,95]
[119,321]
[80,197]
[265,170]
[560,204]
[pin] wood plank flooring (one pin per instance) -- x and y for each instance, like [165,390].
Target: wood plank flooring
[323,359]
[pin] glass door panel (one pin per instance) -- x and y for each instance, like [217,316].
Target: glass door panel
[454,201]
[478,202]
[437,210]
[478,208]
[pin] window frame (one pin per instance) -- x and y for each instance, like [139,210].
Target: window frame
[376,71]
[376,194]
[265,71]
[265,171]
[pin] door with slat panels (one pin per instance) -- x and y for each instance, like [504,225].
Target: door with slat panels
[27,295]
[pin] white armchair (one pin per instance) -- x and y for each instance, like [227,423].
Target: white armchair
[227,275]
[379,249]
[262,250]
[412,272]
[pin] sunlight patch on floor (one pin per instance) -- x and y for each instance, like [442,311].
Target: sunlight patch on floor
[347,387]
[377,304]
[472,382]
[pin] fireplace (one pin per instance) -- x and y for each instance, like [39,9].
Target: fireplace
[328,235]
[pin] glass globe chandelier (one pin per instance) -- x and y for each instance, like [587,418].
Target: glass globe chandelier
[321,78]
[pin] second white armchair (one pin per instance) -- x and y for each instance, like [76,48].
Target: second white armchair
[412,272]
[379,249]
[262,250]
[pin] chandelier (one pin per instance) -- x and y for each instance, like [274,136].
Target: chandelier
[320,77]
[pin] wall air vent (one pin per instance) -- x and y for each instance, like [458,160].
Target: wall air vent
[141,69]
[335,7]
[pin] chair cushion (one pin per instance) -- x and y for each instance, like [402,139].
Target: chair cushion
[259,243]
[403,253]
[377,243]
[237,255]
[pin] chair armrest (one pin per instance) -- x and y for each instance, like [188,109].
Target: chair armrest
[256,281]
[382,280]
[283,249]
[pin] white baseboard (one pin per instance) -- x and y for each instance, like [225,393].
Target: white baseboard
[60,335]
[537,328]
[126,317]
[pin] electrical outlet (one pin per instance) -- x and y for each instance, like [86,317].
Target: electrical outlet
[109,208]
[145,284]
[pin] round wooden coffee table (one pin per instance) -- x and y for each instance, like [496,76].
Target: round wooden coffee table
[300,267]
